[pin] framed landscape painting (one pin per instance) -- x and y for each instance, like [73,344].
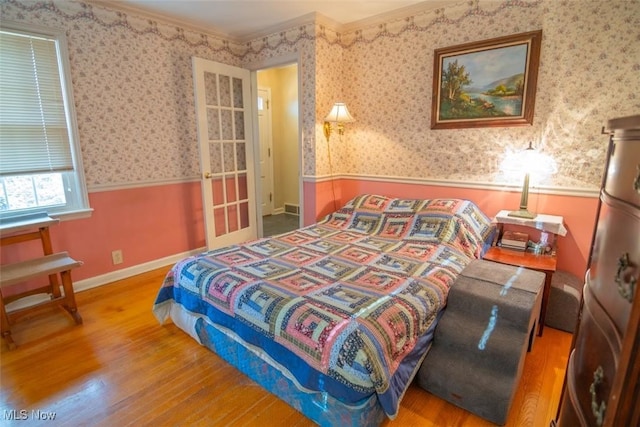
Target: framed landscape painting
[490,83]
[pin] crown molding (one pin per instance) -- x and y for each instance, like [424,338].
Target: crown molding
[401,13]
[313,18]
[164,18]
[329,23]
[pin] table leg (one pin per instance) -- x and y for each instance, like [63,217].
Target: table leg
[545,299]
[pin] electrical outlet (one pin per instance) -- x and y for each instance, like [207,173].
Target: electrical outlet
[116,257]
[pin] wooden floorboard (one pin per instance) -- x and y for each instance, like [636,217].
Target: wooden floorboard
[121,367]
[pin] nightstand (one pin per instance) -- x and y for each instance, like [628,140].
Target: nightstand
[545,262]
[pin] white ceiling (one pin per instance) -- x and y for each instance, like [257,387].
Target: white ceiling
[242,19]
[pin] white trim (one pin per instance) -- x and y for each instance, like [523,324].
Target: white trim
[313,18]
[400,14]
[128,186]
[301,114]
[562,191]
[291,58]
[301,21]
[320,178]
[141,11]
[79,214]
[255,146]
[104,279]
[240,40]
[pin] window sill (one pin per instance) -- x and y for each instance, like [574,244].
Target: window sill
[79,214]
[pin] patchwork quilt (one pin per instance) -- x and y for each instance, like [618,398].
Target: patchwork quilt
[345,304]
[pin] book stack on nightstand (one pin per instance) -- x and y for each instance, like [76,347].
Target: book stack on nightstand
[514,240]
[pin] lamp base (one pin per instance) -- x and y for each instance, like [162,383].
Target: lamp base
[522,213]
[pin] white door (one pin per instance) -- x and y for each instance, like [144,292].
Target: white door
[266,149]
[224,111]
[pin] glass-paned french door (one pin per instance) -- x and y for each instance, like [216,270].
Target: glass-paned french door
[224,112]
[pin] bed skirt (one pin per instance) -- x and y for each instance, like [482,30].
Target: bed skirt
[320,407]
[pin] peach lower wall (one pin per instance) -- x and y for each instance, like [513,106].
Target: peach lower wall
[147,224]
[152,223]
[578,212]
[319,200]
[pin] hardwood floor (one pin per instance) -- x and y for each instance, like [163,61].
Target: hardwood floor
[122,368]
[279,224]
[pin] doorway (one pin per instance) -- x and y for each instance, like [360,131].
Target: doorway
[278,116]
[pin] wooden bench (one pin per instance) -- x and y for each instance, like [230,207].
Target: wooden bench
[53,265]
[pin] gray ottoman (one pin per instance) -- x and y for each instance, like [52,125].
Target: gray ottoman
[480,342]
[564,301]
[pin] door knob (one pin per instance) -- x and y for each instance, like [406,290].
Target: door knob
[208,175]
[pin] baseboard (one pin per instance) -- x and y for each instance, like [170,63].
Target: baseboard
[112,276]
[103,279]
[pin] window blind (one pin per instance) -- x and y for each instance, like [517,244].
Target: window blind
[33,128]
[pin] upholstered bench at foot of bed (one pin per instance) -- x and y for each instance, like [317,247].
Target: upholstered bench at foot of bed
[480,342]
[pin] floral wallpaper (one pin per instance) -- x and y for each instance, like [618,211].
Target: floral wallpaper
[133,90]
[302,41]
[134,95]
[590,60]
[398,124]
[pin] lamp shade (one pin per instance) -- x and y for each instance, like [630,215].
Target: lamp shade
[529,161]
[339,114]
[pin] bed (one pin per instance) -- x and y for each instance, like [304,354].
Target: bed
[334,318]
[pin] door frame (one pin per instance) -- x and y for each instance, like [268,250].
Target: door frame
[254,67]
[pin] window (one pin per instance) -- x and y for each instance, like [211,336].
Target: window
[40,166]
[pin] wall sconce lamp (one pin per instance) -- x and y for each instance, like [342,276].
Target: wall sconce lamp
[531,162]
[339,115]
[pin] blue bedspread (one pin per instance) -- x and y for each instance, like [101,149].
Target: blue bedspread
[346,304]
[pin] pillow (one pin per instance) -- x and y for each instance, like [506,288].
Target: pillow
[368,202]
[458,222]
